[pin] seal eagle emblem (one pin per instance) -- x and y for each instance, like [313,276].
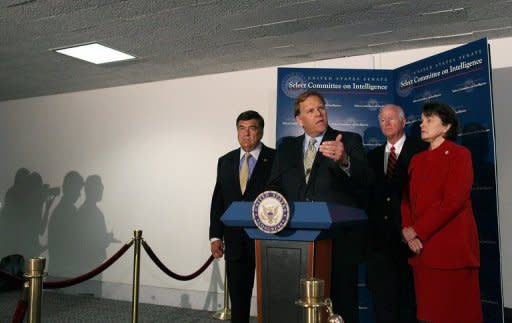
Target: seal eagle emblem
[270,212]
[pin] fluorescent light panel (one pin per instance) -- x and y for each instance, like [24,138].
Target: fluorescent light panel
[95,53]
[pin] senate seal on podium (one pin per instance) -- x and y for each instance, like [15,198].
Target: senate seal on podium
[270,212]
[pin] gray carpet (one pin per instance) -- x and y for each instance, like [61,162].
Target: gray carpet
[63,308]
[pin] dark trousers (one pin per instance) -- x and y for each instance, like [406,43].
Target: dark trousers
[391,284]
[344,293]
[240,276]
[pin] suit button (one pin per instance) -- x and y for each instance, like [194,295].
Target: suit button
[388,199]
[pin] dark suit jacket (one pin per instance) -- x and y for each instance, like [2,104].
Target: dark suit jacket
[327,182]
[227,190]
[384,211]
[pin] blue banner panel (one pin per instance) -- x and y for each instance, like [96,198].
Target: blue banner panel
[461,78]
[353,98]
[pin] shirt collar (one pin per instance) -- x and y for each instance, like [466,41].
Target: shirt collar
[307,138]
[398,145]
[255,153]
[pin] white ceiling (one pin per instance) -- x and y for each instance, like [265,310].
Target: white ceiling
[179,38]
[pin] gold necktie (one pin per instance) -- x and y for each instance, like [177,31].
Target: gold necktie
[309,157]
[244,172]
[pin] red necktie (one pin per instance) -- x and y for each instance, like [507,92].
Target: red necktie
[391,163]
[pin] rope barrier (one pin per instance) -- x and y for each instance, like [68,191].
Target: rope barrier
[19,313]
[166,270]
[22,305]
[90,274]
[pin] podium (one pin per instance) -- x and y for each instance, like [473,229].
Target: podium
[302,250]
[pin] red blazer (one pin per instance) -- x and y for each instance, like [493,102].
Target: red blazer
[437,204]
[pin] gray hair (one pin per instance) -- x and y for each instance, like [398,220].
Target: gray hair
[401,113]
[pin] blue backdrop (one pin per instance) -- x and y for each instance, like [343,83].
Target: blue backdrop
[459,77]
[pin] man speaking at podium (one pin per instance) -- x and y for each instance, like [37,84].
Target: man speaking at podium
[242,175]
[327,165]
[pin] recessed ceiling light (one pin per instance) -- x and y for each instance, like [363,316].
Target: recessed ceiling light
[95,53]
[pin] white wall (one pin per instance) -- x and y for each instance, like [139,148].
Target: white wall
[155,146]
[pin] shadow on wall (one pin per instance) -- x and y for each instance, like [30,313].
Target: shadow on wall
[77,237]
[216,284]
[24,218]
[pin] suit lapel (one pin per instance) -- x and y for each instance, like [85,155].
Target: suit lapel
[320,159]
[236,169]
[404,154]
[299,156]
[259,166]
[381,153]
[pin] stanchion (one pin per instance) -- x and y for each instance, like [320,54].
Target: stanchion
[136,275]
[225,313]
[35,274]
[312,303]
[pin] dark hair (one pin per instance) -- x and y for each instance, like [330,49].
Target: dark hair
[447,116]
[303,97]
[250,115]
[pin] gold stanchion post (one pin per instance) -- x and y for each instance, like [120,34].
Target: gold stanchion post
[312,303]
[35,274]
[25,291]
[225,313]
[136,275]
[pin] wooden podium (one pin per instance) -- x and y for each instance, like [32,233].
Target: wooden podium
[302,250]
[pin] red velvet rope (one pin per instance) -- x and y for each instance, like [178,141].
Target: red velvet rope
[19,314]
[166,270]
[90,274]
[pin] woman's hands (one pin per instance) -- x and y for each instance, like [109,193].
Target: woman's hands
[412,240]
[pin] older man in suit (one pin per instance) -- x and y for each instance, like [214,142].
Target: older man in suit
[389,275]
[242,175]
[328,165]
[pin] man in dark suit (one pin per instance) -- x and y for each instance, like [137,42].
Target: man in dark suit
[242,175]
[389,275]
[326,165]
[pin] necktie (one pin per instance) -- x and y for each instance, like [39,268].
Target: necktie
[391,163]
[309,157]
[244,172]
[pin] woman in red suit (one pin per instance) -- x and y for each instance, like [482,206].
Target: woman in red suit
[439,226]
